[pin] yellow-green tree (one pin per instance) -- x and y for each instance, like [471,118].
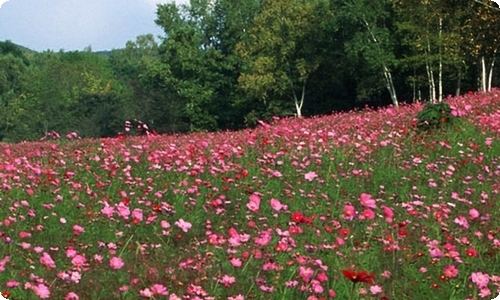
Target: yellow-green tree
[280,53]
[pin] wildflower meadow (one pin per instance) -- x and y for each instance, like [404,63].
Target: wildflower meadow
[358,205]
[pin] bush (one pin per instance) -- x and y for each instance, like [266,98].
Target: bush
[434,116]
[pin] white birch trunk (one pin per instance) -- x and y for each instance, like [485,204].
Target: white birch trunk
[390,85]
[490,75]
[432,86]
[387,74]
[440,76]
[299,103]
[483,75]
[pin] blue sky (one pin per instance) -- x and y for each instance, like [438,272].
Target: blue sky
[75,24]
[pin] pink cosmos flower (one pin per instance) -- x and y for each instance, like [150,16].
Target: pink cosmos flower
[137,214]
[47,261]
[367,214]
[78,261]
[116,263]
[310,176]
[473,213]
[375,289]
[3,262]
[146,293]
[183,225]
[481,280]
[484,292]
[12,284]
[254,203]
[276,204]
[41,290]
[349,212]
[77,229]
[236,262]
[107,210]
[388,213]
[70,252]
[462,221]
[367,201]
[159,289]
[450,271]
[71,296]
[123,210]
[227,280]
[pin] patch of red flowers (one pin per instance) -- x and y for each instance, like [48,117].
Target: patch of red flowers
[299,217]
[361,276]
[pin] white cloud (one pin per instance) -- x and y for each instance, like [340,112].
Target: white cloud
[2,2]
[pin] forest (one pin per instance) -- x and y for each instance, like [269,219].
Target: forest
[225,64]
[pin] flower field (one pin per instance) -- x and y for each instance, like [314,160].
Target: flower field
[358,205]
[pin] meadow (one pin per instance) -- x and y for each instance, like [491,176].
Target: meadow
[359,205]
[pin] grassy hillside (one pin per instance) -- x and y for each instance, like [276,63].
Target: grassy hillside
[350,206]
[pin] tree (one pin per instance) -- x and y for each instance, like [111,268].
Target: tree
[281,52]
[372,37]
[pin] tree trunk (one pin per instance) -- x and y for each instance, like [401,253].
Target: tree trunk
[490,75]
[432,87]
[299,103]
[390,85]
[459,82]
[440,76]
[482,87]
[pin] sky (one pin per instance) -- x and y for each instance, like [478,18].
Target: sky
[72,25]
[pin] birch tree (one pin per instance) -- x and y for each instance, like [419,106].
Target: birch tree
[280,52]
[372,37]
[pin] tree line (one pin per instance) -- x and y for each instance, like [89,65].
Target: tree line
[225,64]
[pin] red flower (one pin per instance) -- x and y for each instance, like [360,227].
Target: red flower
[361,276]
[125,201]
[297,217]
[156,207]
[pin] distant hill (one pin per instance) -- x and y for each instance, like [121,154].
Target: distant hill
[104,53]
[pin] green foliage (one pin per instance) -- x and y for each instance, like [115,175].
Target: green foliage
[434,116]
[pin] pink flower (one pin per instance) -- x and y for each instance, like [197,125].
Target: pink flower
[367,214]
[41,290]
[389,214]
[137,214]
[450,271]
[146,293]
[484,292]
[107,210]
[375,289]
[116,263]
[71,296]
[462,221]
[77,230]
[236,262]
[481,280]
[367,201]
[473,213]
[276,204]
[183,225]
[254,203]
[71,252]
[47,261]
[3,262]
[12,284]
[159,289]
[78,261]
[310,176]
[227,280]
[349,212]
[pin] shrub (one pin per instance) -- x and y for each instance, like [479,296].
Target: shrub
[434,116]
